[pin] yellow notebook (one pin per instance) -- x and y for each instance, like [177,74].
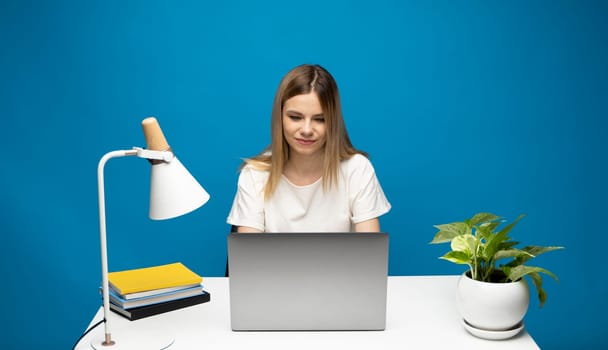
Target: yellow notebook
[150,278]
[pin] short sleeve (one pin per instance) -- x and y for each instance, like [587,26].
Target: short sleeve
[366,195]
[248,205]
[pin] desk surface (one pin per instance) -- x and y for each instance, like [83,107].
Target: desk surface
[421,314]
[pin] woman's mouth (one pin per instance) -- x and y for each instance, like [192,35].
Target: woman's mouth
[305,142]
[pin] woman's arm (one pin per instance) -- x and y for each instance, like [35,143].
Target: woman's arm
[245,229]
[367,200]
[371,225]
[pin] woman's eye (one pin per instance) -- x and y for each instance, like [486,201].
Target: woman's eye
[320,120]
[295,117]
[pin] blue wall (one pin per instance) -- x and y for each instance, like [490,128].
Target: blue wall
[464,107]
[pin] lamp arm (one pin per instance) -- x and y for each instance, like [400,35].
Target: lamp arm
[102,237]
[165,156]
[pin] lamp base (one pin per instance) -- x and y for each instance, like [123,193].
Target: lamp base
[149,340]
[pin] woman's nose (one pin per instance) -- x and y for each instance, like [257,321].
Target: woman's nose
[306,128]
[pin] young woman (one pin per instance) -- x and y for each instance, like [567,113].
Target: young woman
[310,178]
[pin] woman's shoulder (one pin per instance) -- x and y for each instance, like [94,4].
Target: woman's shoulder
[254,170]
[356,160]
[356,163]
[252,178]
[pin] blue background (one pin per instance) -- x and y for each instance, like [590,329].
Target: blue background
[464,106]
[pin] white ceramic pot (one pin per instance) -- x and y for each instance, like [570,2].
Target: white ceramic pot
[492,306]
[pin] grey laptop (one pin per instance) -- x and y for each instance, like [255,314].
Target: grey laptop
[308,281]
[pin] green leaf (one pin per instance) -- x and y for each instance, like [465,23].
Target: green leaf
[534,251]
[484,231]
[512,224]
[465,243]
[481,218]
[538,250]
[443,237]
[538,283]
[457,227]
[497,239]
[507,245]
[493,244]
[491,225]
[518,272]
[448,231]
[461,258]
[510,253]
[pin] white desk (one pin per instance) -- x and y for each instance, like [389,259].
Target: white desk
[421,314]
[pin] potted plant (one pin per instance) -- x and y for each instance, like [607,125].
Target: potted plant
[493,296]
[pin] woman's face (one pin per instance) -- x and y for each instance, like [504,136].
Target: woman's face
[304,125]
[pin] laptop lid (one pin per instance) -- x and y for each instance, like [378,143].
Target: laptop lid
[308,281]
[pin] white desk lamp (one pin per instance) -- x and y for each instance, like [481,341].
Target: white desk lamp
[173,192]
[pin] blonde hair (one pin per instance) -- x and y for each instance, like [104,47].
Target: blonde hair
[301,80]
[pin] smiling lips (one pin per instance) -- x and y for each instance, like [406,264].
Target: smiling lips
[305,142]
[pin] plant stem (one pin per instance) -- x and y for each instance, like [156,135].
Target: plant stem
[487,270]
[474,267]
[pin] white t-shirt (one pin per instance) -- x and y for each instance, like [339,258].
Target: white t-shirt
[357,197]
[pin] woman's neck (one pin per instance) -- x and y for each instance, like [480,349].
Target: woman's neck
[304,170]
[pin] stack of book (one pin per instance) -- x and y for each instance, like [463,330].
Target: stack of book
[149,291]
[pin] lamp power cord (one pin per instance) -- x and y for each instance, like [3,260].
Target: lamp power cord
[87,332]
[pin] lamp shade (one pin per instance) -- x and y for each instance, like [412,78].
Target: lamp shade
[174,191]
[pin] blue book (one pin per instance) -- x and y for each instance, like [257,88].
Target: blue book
[151,292]
[123,303]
